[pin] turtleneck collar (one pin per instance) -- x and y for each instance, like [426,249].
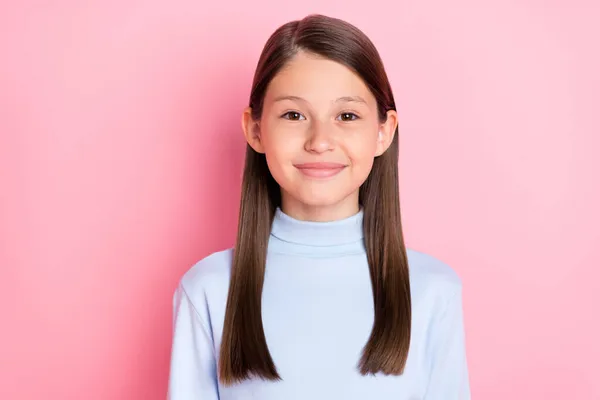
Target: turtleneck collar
[343,236]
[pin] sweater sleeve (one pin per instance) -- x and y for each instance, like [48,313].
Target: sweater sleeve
[193,371]
[449,377]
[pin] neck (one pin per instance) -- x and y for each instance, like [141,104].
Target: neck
[343,209]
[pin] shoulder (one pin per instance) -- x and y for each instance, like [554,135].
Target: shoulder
[430,275]
[210,274]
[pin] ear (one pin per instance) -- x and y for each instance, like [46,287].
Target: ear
[251,130]
[386,132]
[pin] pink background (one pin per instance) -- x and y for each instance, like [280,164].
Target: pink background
[121,155]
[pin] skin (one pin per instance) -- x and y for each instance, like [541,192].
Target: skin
[317,110]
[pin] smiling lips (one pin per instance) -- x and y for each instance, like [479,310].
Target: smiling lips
[320,169]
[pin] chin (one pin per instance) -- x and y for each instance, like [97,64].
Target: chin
[319,193]
[329,199]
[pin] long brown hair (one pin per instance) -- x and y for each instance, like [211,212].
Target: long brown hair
[244,352]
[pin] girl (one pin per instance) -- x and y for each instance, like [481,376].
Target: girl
[319,298]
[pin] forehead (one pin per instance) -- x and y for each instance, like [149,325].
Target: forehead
[317,79]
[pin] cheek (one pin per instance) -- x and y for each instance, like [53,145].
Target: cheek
[362,151]
[362,155]
[280,150]
[281,143]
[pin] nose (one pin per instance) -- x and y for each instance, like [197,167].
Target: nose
[319,138]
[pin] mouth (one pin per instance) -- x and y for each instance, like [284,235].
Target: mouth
[320,169]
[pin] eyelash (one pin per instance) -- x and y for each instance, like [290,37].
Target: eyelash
[353,118]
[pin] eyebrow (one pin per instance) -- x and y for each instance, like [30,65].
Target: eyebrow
[344,99]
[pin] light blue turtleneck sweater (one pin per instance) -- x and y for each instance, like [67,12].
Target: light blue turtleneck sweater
[317,310]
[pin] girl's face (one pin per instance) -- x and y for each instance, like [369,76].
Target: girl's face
[320,133]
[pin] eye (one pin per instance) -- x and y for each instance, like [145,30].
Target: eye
[293,116]
[348,116]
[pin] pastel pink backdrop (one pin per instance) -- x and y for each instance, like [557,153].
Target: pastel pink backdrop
[121,154]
